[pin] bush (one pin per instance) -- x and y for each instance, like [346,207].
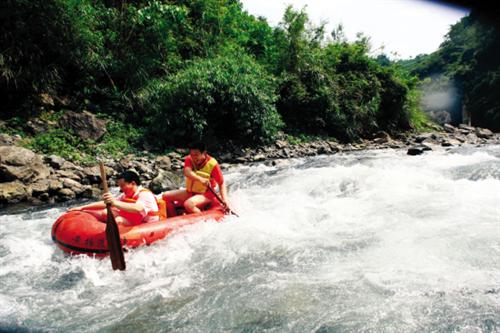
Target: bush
[347,95]
[184,70]
[393,113]
[58,141]
[45,46]
[226,98]
[309,103]
[119,140]
[336,89]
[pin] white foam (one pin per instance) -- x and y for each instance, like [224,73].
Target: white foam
[315,239]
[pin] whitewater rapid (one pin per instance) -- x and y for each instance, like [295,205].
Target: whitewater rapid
[373,241]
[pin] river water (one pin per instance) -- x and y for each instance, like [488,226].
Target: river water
[375,241]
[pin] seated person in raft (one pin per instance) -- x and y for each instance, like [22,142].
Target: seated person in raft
[134,206]
[201,171]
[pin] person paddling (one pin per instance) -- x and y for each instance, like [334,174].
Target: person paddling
[201,171]
[134,206]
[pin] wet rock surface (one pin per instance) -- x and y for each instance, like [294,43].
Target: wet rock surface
[84,124]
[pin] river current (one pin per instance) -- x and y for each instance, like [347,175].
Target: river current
[373,241]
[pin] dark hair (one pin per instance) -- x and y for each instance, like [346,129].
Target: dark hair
[130,176]
[199,145]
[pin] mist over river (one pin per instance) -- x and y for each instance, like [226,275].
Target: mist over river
[372,241]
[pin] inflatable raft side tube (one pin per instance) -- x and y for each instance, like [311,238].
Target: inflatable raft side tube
[78,249]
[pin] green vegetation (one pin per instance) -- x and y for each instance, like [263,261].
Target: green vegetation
[305,138]
[119,140]
[230,98]
[175,71]
[419,120]
[469,58]
[60,142]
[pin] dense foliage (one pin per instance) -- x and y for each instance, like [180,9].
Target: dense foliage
[231,97]
[185,69]
[470,59]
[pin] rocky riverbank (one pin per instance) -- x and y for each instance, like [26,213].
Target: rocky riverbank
[29,177]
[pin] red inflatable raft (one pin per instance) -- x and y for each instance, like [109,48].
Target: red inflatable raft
[81,233]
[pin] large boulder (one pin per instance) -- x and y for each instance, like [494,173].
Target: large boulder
[70,165]
[258,157]
[483,133]
[93,174]
[163,162]
[40,187]
[16,156]
[68,174]
[281,144]
[37,126]
[55,185]
[466,127]
[9,140]
[6,140]
[165,181]
[334,146]
[17,163]
[12,192]
[55,161]
[323,149]
[142,168]
[86,125]
[381,137]
[75,186]
[125,163]
[450,142]
[449,128]
[87,191]
[472,138]
[425,136]
[415,151]
[65,194]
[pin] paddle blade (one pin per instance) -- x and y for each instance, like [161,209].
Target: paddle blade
[114,244]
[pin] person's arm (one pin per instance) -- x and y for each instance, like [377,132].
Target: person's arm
[223,193]
[91,206]
[130,207]
[224,197]
[219,179]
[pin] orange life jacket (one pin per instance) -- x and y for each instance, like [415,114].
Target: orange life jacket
[162,207]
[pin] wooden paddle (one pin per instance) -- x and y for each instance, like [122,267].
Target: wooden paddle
[112,233]
[222,201]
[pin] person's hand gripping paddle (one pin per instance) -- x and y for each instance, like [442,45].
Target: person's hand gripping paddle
[222,201]
[112,233]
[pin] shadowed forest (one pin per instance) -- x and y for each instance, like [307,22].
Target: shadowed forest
[163,73]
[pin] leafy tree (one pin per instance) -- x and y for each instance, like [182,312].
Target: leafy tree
[45,45]
[334,88]
[180,69]
[229,98]
[470,57]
